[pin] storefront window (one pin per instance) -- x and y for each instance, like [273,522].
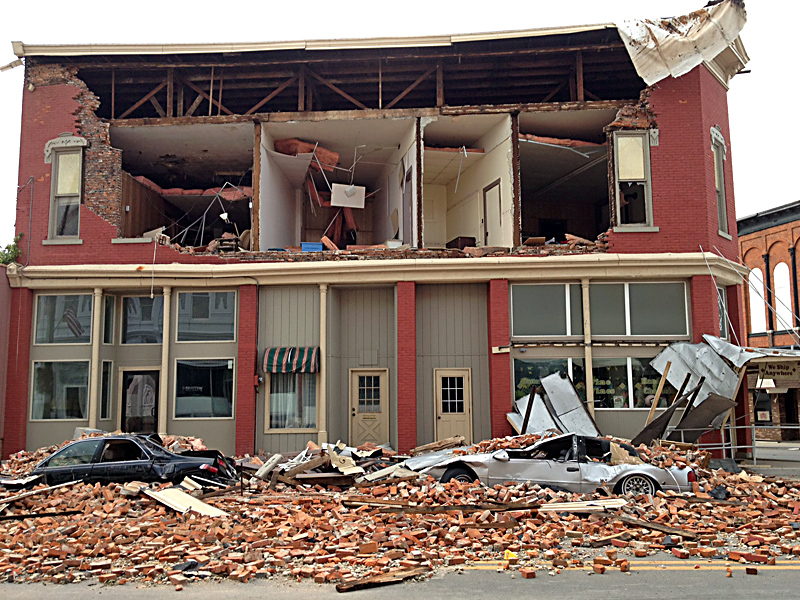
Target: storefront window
[611,388]
[204,389]
[64,319]
[645,385]
[292,400]
[142,320]
[528,373]
[60,390]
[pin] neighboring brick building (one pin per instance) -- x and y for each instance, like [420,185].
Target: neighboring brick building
[137,311]
[768,244]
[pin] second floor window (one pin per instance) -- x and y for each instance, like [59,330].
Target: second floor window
[65,153]
[632,171]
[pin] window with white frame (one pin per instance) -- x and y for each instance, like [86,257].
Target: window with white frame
[546,310]
[63,319]
[758,306]
[292,401]
[632,175]
[65,153]
[719,150]
[60,390]
[783,297]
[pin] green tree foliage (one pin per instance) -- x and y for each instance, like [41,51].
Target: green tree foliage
[10,253]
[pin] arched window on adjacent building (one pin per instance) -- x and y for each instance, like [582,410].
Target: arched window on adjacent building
[758,308]
[783,297]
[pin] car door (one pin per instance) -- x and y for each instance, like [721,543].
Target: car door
[552,464]
[73,462]
[122,460]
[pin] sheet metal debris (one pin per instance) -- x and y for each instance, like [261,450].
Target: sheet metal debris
[660,48]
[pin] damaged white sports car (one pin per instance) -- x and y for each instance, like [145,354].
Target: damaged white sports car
[567,462]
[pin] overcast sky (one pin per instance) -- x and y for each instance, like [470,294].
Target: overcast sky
[760,102]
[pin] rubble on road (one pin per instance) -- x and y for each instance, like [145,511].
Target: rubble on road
[386,530]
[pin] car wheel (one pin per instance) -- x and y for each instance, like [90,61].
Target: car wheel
[637,485]
[460,474]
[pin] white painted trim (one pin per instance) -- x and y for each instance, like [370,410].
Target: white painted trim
[63,241]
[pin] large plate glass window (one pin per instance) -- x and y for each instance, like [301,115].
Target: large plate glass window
[204,389]
[64,319]
[546,310]
[639,309]
[206,316]
[142,319]
[60,390]
[528,373]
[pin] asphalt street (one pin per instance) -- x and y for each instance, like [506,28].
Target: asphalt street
[654,577]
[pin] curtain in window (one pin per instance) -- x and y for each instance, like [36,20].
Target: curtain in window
[293,401]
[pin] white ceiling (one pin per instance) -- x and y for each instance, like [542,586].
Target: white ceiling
[185,155]
[440,167]
[457,131]
[586,125]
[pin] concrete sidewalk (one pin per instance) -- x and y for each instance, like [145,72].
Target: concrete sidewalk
[781,459]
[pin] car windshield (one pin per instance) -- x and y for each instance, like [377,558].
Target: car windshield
[79,453]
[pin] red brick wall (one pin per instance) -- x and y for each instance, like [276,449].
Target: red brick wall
[682,170]
[18,373]
[705,309]
[406,365]
[500,393]
[247,369]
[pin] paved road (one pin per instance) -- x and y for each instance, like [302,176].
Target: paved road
[781,459]
[652,578]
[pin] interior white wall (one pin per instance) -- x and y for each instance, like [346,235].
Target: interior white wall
[465,206]
[390,196]
[278,222]
[434,198]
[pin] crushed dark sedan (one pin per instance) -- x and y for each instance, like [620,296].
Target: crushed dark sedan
[130,457]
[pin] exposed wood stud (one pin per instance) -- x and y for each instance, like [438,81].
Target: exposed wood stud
[210,92]
[573,89]
[301,90]
[113,93]
[254,218]
[309,95]
[439,85]
[419,198]
[406,91]
[170,91]
[380,84]
[219,96]
[147,97]
[516,187]
[579,75]
[179,111]
[272,94]
[208,97]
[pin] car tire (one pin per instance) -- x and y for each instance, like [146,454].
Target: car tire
[460,474]
[637,485]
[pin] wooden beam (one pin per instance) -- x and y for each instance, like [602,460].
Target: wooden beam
[194,105]
[309,95]
[219,96]
[554,92]
[180,108]
[516,183]
[579,75]
[170,91]
[204,94]
[157,105]
[380,83]
[405,92]
[113,92]
[210,93]
[658,393]
[439,85]
[336,89]
[272,94]
[147,97]
[254,219]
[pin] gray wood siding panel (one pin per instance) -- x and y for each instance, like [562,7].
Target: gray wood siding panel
[452,332]
[361,321]
[287,316]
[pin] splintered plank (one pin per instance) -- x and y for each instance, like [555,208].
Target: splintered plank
[382,579]
[657,526]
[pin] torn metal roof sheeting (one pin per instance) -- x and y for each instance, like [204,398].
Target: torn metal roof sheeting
[739,356]
[708,415]
[539,420]
[699,360]
[567,407]
[674,46]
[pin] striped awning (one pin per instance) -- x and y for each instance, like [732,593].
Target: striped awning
[291,360]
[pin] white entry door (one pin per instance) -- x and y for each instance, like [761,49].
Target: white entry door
[369,406]
[453,403]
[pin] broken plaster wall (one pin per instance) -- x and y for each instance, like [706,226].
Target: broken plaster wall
[102,163]
[390,195]
[280,208]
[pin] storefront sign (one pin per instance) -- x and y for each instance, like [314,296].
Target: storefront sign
[776,375]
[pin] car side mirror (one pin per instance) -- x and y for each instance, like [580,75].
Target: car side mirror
[501,455]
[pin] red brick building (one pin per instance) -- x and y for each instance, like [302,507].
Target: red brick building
[767,245]
[493,207]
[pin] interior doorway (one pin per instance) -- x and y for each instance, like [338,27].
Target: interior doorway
[139,400]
